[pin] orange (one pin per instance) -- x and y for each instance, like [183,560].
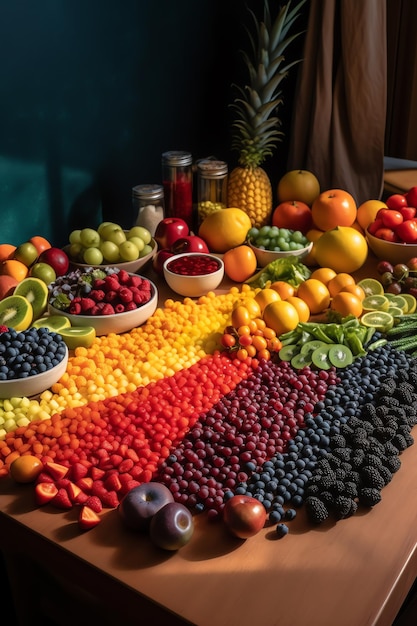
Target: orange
[252,305]
[344,249]
[266,296]
[6,251]
[367,212]
[14,268]
[40,243]
[7,285]
[239,263]
[347,303]
[315,294]
[281,316]
[225,229]
[301,308]
[313,235]
[356,290]
[240,316]
[339,281]
[324,274]
[284,289]
[332,208]
[26,468]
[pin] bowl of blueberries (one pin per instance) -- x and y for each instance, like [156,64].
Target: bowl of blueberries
[31,361]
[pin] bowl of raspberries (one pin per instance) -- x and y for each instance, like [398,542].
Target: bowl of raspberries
[111,300]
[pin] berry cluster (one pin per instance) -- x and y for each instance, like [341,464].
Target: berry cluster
[28,353]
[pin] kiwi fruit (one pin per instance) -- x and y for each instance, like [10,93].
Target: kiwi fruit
[16,312]
[340,355]
[301,360]
[54,323]
[320,357]
[36,291]
[288,352]
[310,346]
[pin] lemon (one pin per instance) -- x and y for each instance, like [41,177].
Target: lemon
[375,303]
[380,320]
[78,336]
[395,311]
[398,301]
[411,302]
[371,286]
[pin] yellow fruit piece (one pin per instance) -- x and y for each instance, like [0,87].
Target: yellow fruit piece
[225,229]
[411,302]
[315,294]
[78,336]
[265,296]
[367,212]
[343,249]
[380,320]
[376,303]
[281,316]
[371,286]
[26,468]
[16,312]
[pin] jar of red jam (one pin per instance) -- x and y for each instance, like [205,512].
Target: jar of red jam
[177,178]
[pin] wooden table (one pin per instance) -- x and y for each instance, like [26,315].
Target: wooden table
[355,572]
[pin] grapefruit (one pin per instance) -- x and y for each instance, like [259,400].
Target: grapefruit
[225,229]
[343,249]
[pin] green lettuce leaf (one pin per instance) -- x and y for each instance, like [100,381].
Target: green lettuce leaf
[287,268]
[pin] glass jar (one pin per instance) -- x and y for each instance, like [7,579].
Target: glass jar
[177,178]
[149,205]
[211,187]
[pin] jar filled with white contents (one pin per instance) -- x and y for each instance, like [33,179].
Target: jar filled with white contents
[148,202]
[212,187]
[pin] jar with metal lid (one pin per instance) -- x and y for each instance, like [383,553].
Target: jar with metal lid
[149,205]
[177,179]
[211,187]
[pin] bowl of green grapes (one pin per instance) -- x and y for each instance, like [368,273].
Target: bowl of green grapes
[270,243]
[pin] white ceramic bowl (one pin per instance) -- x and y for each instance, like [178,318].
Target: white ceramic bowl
[118,323]
[267,256]
[389,251]
[33,385]
[193,285]
[130,266]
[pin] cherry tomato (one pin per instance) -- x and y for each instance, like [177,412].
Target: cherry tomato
[396,201]
[407,231]
[375,225]
[387,234]
[408,212]
[390,217]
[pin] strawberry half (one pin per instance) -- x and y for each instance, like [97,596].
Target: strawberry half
[45,492]
[61,500]
[87,518]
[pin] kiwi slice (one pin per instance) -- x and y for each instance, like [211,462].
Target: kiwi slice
[54,323]
[310,346]
[320,357]
[301,360]
[16,312]
[36,291]
[288,352]
[78,336]
[340,355]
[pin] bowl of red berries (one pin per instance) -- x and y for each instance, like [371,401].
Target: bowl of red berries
[110,300]
[193,274]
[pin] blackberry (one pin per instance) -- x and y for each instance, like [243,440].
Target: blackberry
[316,510]
[338,441]
[344,454]
[369,496]
[400,442]
[338,487]
[373,460]
[390,449]
[385,474]
[327,498]
[351,489]
[384,434]
[393,463]
[342,506]
[388,386]
[370,477]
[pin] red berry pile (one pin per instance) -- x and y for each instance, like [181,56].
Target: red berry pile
[193,265]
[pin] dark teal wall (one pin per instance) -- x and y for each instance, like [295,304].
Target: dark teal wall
[93,91]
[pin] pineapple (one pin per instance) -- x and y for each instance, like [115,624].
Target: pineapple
[255,130]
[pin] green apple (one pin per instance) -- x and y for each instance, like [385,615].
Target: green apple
[26,253]
[90,238]
[128,251]
[93,256]
[75,236]
[113,233]
[44,271]
[139,243]
[110,251]
[141,232]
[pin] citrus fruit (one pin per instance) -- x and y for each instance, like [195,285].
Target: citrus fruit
[375,303]
[380,320]
[355,289]
[343,249]
[225,229]
[395,311]
[40,243]
[239,263]
[78,336]
[371,286]
[339,282]
[284,289]
[266,296]
[299,185]
[325,274]
[315,294]
[240,316]
[252,306]
[26,468]
[333,208]
[281,316]
[7,285]
[301,308]
[6,251]
[367,211]
[346,303]
[14,268]
[312,235]
[411,302]
[398,301]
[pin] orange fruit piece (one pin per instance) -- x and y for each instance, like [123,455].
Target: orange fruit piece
[7,285]
[301,307]
[265,296]
[239,263]
[240,316]
[284,289]
[26,468]
[40,243]
[315,294]
[356,290]
[14,268]
[281,316]
[346,303]
[338,282]
[6,251]
[324,274]
[332,208]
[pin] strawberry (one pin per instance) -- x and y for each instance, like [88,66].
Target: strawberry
[112,483]
[94,503]
[73,492]
[85,484]
[125,466]
[77,471]
[62,483]
[96,473]
[116,460]
[61,499]
[98,488]
[44,477]
[110,499]
[45,492]
[87,518]
[56,470]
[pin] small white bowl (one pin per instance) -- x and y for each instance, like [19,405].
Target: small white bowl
[33,385]
[389,251]
[117,323]
[264,257]
[130,266]
[193,285]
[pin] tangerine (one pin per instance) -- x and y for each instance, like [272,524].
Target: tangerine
[338,282]
[346,303]
[324,274]
[252,305]
[26,468]
[281,316]
[6,251]
[14,268]
[315,294]
[301,307]
[356,290]
[265,296]
[40,243]
[333,208]
[313,235]
[239,263]
[240,316]
[7,285]
[284,289]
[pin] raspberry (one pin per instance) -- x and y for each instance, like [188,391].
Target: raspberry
[3,329]
[87,304]
[108,309]
[111,296]
[111,283]
[135,280]
[75,308]
[97,295]
[120,308]
[124,277]
[130,306]
[99,283]
[125,295]
[95,310]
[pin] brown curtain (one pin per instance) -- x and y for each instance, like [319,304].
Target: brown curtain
[340,101]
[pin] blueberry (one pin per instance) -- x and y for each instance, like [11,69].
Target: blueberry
[282,530]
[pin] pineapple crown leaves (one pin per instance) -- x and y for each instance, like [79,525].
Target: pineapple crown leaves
[255,130]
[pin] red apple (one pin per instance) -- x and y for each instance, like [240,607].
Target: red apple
[172,526]
[57,259]
[396,201]
[190,243]
[411,197]
[293,214]
[244,516]
[140,504]
[158,261]
[169,230]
